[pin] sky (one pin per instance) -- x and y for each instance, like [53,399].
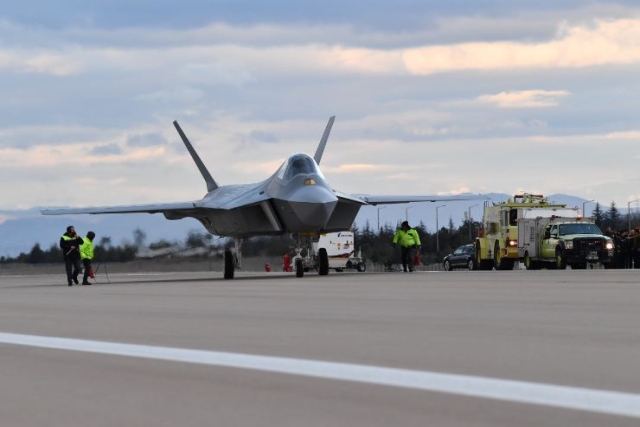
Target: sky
[430,97]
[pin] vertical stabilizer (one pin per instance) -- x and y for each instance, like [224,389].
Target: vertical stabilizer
[323,141]
[211,184]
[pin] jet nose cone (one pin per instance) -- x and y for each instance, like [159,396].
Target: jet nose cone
[313,206]
[313,216]
[313,194]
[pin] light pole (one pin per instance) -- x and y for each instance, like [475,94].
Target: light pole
[471,222]
[406,212]
[588,201]
[629,213]
[438,229]
[380,207]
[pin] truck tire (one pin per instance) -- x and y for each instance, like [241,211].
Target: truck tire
[530,264]
[499,262]
[483,264]
[561,261]
[361,267]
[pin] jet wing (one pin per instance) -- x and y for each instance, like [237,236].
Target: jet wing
[226,197]
[152,208]
[393,199]
[350,197]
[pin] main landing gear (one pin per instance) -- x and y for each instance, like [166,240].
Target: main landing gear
[318,261]
[232,259]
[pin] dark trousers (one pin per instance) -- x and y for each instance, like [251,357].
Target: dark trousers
[72,265]
[87,266]
[407,257]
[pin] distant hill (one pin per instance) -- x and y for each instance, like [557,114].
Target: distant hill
[24,228]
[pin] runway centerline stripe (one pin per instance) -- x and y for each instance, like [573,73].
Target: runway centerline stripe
[601,401]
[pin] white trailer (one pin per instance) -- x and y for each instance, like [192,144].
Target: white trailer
[341,251]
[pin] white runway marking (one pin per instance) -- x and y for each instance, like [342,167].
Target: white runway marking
[606,402]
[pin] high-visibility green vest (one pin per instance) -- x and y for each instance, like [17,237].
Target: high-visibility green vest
[407,238]
[86,249]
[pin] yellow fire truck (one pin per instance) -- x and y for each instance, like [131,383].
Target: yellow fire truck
[497,241]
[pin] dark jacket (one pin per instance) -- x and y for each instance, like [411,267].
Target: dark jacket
[66,242]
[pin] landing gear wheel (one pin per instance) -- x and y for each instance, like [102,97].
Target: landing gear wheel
[323,262]
[299,268]
[229,265]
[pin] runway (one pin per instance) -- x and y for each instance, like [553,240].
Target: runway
[525,348]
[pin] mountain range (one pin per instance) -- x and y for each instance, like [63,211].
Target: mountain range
[20,230]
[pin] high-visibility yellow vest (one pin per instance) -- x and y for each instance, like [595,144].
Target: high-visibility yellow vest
[86,249]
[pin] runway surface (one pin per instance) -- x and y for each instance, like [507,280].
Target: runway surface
[517,348]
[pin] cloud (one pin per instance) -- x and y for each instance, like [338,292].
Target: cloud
[183,94]
[634,135]
[58,64]
[107,149]
[605,42]
[267,137]
[146,140]
[358,167]
[525,98]
[239,62]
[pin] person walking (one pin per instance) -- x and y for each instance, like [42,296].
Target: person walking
[70,243]
[408,240]
[86,255]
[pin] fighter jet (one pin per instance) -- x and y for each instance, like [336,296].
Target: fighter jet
[296,200]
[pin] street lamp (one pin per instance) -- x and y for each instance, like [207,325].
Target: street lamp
[471,222]
[438,229]
[629,213]
[406,212]
[380,207]
[588,201]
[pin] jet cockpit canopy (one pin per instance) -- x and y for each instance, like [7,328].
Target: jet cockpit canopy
[298,163]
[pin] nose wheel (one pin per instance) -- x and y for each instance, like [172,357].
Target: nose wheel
[319,261]
[299,267]
[323,262]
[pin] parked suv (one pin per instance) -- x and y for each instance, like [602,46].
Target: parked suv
[463,257]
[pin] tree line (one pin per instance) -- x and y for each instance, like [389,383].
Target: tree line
[375,245]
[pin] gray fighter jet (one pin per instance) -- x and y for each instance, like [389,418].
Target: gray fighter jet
[296,200]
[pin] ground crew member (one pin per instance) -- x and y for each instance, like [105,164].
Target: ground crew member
[86,254]
[409,241]
[69,243]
